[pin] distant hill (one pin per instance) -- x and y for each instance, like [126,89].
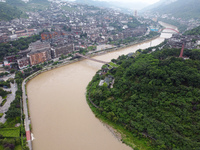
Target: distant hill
[16,8]
[94,3]
[16,3]
[32,5]
[39,1]
[9,12]
[158,4]
[178,8]
[114,4]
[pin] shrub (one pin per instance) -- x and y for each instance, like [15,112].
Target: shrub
[1,114]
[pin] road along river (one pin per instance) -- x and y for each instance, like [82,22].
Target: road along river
[60,116]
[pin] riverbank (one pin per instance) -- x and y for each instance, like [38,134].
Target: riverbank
[118,131]
[27,118]
[121,48]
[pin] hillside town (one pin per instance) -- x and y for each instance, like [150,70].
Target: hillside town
[67,27]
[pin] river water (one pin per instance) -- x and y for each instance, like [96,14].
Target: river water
[60,116]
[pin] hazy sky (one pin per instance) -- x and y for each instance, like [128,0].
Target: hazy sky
[146,1]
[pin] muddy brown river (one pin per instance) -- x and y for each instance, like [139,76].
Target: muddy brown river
[60,116]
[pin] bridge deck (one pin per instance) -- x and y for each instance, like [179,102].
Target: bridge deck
[100,61]
[168,32]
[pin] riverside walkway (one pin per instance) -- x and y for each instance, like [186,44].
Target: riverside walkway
[26,120]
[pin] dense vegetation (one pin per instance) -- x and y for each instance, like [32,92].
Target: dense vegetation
[195,31]
[5,83]
[32,5]
[3,93]
[155,96]
[13,47]
[8,12]
[16,3]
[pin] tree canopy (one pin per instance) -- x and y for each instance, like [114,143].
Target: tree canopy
[155,95]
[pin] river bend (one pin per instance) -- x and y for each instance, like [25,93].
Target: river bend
[60,116]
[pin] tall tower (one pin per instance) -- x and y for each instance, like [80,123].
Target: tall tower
[135,13]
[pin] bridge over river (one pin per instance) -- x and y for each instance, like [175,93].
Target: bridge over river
[100,61]
[171,29]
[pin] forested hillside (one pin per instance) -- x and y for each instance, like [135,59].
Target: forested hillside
[9,12]
[156,96]
[16,3]
[195,31]
[32,5]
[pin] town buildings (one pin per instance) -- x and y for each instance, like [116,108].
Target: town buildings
[39,52]
[66,27]
[23,62]
[189,41]
[62,50]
